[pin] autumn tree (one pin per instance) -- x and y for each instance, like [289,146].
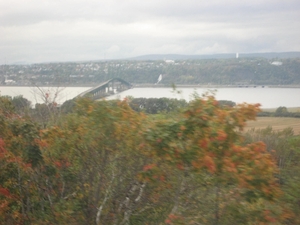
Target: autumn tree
[47,110]
[95,155]
[104,163]
[19,157]
[284,146]
[219,179]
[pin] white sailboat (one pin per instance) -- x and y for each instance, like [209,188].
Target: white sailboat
[159,79]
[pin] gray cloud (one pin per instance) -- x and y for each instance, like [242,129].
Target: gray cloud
[65,30]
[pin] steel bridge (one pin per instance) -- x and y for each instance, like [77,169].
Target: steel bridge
[108,88]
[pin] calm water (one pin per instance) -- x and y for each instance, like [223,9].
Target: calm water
[267,97]
[35,95]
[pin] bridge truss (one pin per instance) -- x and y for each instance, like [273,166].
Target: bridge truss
[108,88]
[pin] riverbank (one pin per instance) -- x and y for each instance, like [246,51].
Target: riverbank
[165,86]
[267,97]
[212,86]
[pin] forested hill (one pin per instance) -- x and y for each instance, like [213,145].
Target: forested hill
[231,71]
[267,55]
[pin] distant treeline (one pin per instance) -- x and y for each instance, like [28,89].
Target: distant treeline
[40,112]
[164,105]
[280,112]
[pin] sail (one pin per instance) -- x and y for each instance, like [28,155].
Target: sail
[159,79]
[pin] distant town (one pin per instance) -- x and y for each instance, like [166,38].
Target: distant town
[228,71]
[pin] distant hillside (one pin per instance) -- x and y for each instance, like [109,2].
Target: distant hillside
[249,70]
[268,55]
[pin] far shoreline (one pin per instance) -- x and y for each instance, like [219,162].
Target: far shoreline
[167,86]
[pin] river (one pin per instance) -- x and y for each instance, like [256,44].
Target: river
[267,97]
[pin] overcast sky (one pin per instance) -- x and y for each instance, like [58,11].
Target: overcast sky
[36,31]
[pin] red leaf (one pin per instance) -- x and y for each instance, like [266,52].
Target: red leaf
[149,167]
[4,192]
[221,135]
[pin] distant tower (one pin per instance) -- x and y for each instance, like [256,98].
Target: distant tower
[237,55]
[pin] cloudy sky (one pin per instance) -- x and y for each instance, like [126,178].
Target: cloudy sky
[36,31]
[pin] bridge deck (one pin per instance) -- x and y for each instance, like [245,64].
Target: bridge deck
[105,89]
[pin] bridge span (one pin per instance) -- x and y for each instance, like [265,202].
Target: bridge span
[108,88]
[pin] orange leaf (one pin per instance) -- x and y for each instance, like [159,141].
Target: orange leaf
[148,167]
[180,166]
[221,135]
[196,164]
[209,163]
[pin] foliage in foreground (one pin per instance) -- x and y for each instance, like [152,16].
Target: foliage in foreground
[107,164]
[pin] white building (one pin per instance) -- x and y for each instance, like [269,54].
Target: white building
[276,63]
[9,81]
[169,61]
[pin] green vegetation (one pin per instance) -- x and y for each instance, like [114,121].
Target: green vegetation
[243,71]
[156,105]
[281,111]
[111,162]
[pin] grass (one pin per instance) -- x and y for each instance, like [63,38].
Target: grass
[277,123]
